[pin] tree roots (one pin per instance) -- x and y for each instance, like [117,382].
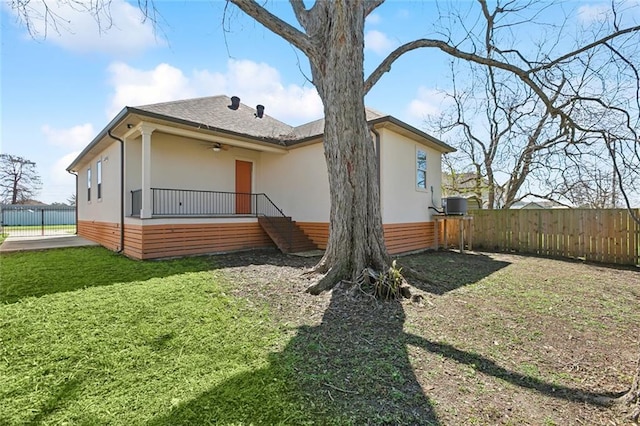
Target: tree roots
[631,401]
[387,285]
[327,282]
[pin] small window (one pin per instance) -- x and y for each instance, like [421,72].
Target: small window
[99,178]
[421,169]
[89,184]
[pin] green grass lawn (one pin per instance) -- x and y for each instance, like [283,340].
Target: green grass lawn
[89,337]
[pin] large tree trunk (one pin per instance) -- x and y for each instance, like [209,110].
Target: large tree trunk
[355,231]
[14,192]
[632,398]
[333,41]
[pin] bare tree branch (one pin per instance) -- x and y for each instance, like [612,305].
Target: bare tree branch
[589,46]
[300,11]
[385,65]
[277,25]
[19,179]
[371,5]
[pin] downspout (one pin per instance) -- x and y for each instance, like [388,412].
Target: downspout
[121,189]
[76,206]
[377,142]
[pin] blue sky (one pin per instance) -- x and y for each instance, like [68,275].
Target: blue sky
[58,92]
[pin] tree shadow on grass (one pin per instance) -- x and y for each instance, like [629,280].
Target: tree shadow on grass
[352,368]
[39,273]
[35,274]
[261,257]
[491,368]
[66,393]
[447,270]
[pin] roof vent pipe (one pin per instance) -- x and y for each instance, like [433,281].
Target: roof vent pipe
[235,103]
[259,111]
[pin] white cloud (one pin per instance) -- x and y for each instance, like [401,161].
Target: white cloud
[373,19]
[138,87]
[59,184]
[119,29]
[75,137]
[403,14]
[428,102]
[59,178]
[261,84]
[378,42]
[627,13]
[594,13]
[254,83]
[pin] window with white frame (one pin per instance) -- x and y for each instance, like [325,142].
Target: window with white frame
[99,178]
[89,184]
[421,169]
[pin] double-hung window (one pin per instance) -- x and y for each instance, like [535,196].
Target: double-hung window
[99,178]
[89,184]
[421,169]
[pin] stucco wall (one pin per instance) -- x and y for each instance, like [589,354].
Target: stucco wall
[106,208]
[132,173]
[401,201]
[183,163]
[187,220]
[297,182]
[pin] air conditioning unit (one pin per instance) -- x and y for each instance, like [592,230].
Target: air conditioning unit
[454,206]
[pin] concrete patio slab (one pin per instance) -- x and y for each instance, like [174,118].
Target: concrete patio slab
[13,244]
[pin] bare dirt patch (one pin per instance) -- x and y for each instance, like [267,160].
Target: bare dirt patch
[492,339]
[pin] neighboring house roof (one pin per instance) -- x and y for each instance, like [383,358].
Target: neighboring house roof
[537,205]
[212,114]
[26,203]
[464,182]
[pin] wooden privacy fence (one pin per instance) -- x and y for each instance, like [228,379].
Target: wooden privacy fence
[599,235]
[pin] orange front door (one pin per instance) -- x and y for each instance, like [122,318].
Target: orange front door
[243,187]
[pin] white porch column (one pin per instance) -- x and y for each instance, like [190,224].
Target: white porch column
[147,208]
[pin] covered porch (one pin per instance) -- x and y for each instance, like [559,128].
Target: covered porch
[173,171]
[192,221]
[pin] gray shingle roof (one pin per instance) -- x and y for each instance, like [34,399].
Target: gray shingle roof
[213,113]
[316,128]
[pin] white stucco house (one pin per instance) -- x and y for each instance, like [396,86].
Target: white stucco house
[211,175]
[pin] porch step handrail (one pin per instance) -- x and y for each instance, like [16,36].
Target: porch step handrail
[277,209]
[193,202]
[275,220]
